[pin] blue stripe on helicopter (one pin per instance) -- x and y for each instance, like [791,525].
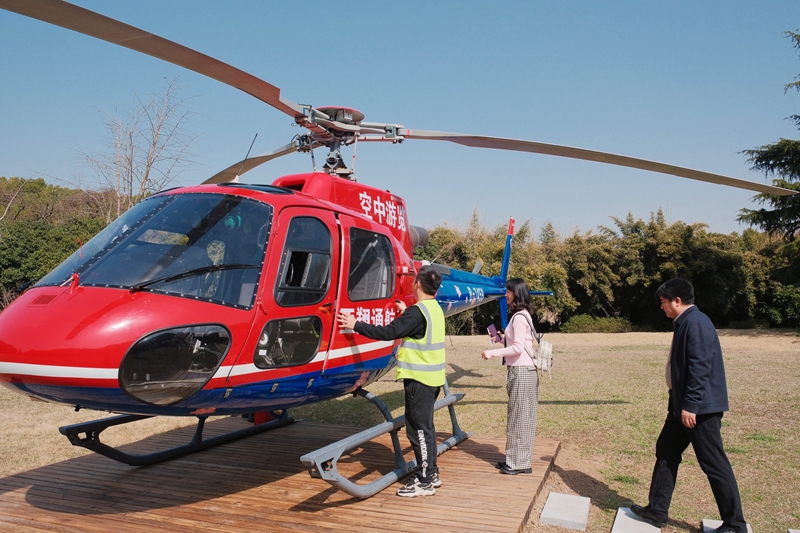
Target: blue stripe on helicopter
[290,392]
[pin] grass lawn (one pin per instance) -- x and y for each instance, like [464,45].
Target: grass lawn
[606,402]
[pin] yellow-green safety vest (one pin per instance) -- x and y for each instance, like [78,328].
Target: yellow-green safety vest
[423,359]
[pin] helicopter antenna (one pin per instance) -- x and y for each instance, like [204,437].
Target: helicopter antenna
[246,156]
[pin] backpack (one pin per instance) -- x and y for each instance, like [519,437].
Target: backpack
[543,358]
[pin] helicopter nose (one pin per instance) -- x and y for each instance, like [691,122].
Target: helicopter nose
[168,366]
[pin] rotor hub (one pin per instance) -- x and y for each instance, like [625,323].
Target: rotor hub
[344,115]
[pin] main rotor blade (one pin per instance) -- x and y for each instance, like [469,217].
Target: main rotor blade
[499,143]
[82,20]
[234,171]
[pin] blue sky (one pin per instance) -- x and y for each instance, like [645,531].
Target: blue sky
[684,82]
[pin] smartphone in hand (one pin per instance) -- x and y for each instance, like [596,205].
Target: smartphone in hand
[493,334]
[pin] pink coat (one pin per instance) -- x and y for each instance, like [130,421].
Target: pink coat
[518,335]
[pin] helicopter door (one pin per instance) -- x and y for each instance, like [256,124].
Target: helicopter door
[367,283]
[298,295]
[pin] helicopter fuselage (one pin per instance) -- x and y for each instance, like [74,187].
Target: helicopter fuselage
[221,299]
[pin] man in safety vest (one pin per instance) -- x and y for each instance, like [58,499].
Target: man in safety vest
[421,366]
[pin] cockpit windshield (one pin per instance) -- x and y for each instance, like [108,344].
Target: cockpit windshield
[208,247]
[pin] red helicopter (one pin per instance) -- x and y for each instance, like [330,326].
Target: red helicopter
[220,299]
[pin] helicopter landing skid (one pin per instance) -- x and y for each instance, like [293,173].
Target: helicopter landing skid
[87,435]
[322,462]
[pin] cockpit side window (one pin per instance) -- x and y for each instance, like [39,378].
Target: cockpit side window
[305,270]
[370,276]
[290,341]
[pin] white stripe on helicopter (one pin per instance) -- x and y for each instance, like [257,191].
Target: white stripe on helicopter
[360,349]
[58,371]
[78,372]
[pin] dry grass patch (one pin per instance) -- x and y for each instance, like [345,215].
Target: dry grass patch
[607,401]
[29,436]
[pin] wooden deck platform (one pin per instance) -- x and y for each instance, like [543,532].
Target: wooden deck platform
[258,484]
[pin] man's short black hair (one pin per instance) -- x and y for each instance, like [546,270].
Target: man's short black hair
[430,279]
[676,288]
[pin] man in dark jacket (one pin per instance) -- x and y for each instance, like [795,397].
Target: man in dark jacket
[698,395]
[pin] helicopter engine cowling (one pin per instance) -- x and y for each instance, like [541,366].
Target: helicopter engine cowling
[419,236]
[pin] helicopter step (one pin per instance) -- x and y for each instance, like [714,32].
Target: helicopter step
[321,463]
[87,435]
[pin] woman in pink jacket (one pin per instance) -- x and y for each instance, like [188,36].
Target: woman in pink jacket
[522,380]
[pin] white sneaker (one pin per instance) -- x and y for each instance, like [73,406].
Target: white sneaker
[414,488]
[435,481]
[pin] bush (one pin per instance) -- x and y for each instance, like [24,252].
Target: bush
[753,323]
[784,310]
[592,324]
[29,249]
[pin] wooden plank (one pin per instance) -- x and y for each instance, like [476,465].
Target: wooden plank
[258,484]
[305,480]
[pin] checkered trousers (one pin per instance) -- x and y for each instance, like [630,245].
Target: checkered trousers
[522,384]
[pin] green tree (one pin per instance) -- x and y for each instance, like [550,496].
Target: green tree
[34,199]
[29,249]
[640,255]
[40,225]
[778,293]
[553,310]
[771,269]
[783,307]
[588,260]
[781,160]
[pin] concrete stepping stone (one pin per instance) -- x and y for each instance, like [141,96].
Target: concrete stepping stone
[710,525]
[627,522]
[566,510]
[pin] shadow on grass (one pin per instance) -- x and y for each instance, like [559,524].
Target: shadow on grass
[545,402]
[463,386]
[778,332]
[582,402]
[481,402]
[352,410]
[459,372]
[606,498]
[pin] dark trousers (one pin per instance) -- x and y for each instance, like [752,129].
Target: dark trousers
[420,430]
[706,441]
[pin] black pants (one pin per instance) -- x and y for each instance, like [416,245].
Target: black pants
[420,430]
[706,440]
